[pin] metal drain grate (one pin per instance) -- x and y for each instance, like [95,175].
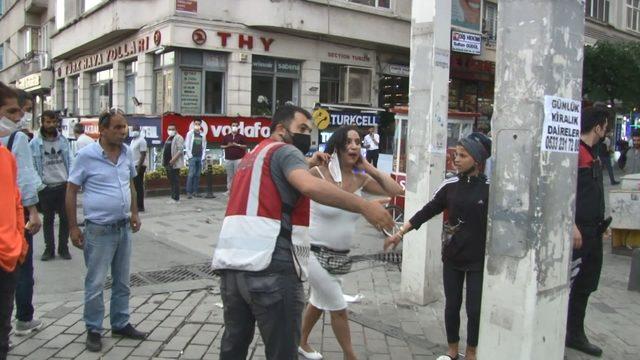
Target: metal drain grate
[174,274]
[391,257]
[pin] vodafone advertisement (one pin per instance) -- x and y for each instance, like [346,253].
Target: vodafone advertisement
[255,129]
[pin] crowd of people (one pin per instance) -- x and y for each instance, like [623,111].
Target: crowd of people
[289,219]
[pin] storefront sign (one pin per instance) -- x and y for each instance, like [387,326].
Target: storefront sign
[91,127]
[105,57]
[466,42]
[464,63]
[255,129]
[321,118]
[345,56]
[466,14]
[190,94]
[150,129]
[28,82]
[339,118]
[561,128]
[190,6]
[199,36]
[398,70]
[287,67]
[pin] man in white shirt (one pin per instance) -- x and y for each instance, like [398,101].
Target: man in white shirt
[82,139]
[139,152]
[371,143]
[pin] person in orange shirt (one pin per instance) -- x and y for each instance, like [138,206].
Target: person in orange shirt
[13,245]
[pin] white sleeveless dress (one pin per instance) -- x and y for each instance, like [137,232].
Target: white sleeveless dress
[333,228]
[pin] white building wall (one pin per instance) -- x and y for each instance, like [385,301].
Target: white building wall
[238,84]
[144,83]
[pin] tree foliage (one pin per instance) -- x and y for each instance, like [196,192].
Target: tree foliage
[612,72]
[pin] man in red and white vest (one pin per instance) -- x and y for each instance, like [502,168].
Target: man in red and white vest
[263,246]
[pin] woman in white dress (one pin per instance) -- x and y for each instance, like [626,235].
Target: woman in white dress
[331,231]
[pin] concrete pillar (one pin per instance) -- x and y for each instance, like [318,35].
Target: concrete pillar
[144,84]
[532,197]
[239,84]
[84,93]
[118,91]
[310,91]
[426,141]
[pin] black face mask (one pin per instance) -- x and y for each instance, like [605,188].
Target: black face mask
[301,141]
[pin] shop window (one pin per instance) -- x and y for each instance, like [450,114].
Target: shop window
[394,91]
[633,15]
[202,82]
[130,72]
[86,5]
[163,82]
[274,82]
[385,4]
[75,100]
[59,94]
[329,83]
[490,24]
[355,85]
[31,41]
[101,91]
[598,9]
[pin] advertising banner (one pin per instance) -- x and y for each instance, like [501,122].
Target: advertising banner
[255,129]
[466,42]
[466,14]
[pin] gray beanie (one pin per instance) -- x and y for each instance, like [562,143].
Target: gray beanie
[475,149]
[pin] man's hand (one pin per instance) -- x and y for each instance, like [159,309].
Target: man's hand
[34,224]
[135,223]
[77,239]
[319,159]
[577,238]
[377,215]
[392,241]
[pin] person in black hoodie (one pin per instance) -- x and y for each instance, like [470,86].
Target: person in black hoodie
[465,198]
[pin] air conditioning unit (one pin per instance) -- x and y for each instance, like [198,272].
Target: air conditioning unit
[45,61]
[355,85]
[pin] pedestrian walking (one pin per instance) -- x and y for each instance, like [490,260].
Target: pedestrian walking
[104,171]
[29,183]
[51,158]
[195,151]
[173,161]
[263,249]
[139,151]
[465,198]
[604,151]
[235,146]
[13,245]
[331,232]
[82,139]
[588,229]
[372,144]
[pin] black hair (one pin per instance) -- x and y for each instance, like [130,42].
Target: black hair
[592,117]
[338,140]
[49,114]
[285,114]
[198,120]
[6,93]
[23,96]
[78,128]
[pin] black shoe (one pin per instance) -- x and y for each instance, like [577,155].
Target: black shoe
[47,255]
[615,183]
[129,332]
[65,254]
[584,346]
[94,341]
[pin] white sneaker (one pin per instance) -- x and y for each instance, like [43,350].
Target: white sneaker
[172,202]
[312,355]
[27,327]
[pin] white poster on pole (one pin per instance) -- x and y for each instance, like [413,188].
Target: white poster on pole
[561,128]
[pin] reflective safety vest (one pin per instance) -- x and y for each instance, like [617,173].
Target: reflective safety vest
[252,222]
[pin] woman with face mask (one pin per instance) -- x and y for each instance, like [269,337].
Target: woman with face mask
[331,232]
[465,198]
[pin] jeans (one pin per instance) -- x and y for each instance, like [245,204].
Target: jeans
[372,157]
[7,290]
[231,166]
[106,246]
[138,183]
[25,282]
[606,163]
[193,179]
[52,201]
[274,298]
[453,280]
[174,180]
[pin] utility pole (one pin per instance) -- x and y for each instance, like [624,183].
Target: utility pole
[426,145]
[532,198]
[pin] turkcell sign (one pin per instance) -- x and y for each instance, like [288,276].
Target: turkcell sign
[357,119]
[466,42]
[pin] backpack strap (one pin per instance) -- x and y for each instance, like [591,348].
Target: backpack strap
[11,139]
